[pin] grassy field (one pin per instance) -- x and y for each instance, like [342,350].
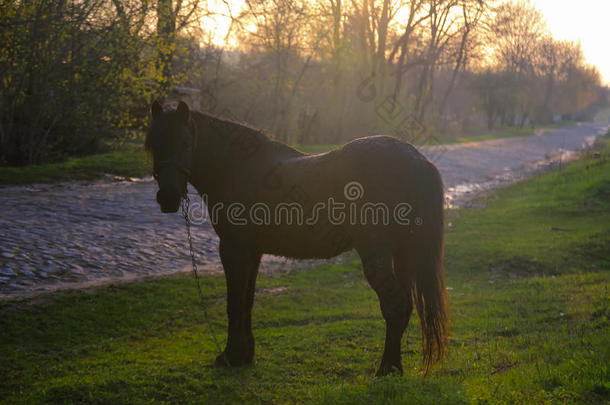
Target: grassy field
[528,283]
[509,133]
[129,161]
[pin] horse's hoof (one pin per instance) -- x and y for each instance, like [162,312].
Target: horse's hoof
[222,360]
[388,369]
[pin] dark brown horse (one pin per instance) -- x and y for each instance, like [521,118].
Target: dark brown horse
[377,195]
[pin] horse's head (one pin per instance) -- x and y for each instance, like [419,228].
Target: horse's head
[171,144]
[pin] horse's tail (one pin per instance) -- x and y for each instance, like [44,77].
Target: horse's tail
[428,291]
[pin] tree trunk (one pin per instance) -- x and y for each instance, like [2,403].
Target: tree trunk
[166,30]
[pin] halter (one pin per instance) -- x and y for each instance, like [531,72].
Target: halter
[172,162]
[180,164]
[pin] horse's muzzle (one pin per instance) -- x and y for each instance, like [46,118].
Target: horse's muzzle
[168,201]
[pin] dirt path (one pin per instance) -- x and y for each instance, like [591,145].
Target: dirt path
[477,166]
[81,234]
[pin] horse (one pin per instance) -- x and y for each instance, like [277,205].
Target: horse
[376,195]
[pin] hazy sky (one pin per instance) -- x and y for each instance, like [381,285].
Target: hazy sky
[587,21]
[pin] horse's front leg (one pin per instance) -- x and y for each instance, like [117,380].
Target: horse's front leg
[241,268]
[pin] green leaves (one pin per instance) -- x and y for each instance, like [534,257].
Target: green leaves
[71,78]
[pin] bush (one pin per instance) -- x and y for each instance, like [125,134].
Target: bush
[71,76]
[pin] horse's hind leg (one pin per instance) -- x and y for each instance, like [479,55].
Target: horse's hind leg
[241,268]
[395,304]
[404,270]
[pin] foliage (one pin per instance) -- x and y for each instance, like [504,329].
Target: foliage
[129,161]
[71,75]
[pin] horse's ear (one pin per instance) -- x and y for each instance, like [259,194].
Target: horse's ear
[156,110]
[183,112]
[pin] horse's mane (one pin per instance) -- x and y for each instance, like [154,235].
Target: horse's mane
[228,132]
[232,128]
[229,125]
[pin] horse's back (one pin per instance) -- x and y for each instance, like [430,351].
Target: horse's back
[382,145]
[380,164]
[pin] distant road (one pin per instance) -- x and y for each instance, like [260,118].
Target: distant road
[471,167]
[79,234]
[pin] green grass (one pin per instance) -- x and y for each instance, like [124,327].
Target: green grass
[503,133]
[129,161]
[508,133]
[529,308]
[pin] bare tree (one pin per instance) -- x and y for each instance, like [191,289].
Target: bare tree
[472,11]
[514,33]
[279,29]
[402,46]
[515,30]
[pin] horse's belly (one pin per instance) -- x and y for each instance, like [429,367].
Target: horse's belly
[305,242]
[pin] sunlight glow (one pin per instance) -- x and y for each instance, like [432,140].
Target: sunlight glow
[218,26]
[585,21]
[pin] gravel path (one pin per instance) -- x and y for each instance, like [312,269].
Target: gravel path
[86,233]
[478,166]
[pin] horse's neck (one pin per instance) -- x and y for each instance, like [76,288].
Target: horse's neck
[230,149]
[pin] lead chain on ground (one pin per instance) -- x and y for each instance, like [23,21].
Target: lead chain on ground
[185,213]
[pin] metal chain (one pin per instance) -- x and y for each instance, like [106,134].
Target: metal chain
[185,213]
